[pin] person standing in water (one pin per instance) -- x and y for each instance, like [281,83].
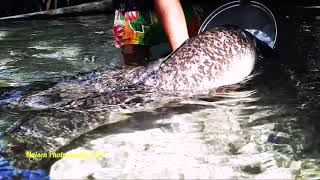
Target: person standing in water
[140,24]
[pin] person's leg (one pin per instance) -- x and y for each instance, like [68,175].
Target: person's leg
[134,55]
[173,21]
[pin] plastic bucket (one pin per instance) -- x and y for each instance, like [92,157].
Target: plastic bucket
[254,17]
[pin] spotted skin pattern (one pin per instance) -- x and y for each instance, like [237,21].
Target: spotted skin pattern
[222,56]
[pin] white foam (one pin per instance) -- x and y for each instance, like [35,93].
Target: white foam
[41,45]
[68,53]
[3,34]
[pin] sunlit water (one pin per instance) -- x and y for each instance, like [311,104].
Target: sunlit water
[265,128]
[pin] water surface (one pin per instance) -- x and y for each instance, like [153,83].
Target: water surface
[265,128]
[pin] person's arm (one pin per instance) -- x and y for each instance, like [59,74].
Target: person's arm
[173,21]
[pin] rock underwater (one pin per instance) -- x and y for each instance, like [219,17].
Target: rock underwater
[221,56]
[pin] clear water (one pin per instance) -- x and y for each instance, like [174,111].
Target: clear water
[40,50]
[265,128]
[34,55]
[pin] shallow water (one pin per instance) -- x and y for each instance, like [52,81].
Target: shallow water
[39,50]
[34,55]
[265,128]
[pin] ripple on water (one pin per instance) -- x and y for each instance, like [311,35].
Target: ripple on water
[264,130]
[3,34]
[42,45]
[205,140]
[3,63]
[69,53]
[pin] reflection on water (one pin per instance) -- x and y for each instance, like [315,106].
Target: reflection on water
[35,54]
[39,50]
[264,128]
[242,133]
